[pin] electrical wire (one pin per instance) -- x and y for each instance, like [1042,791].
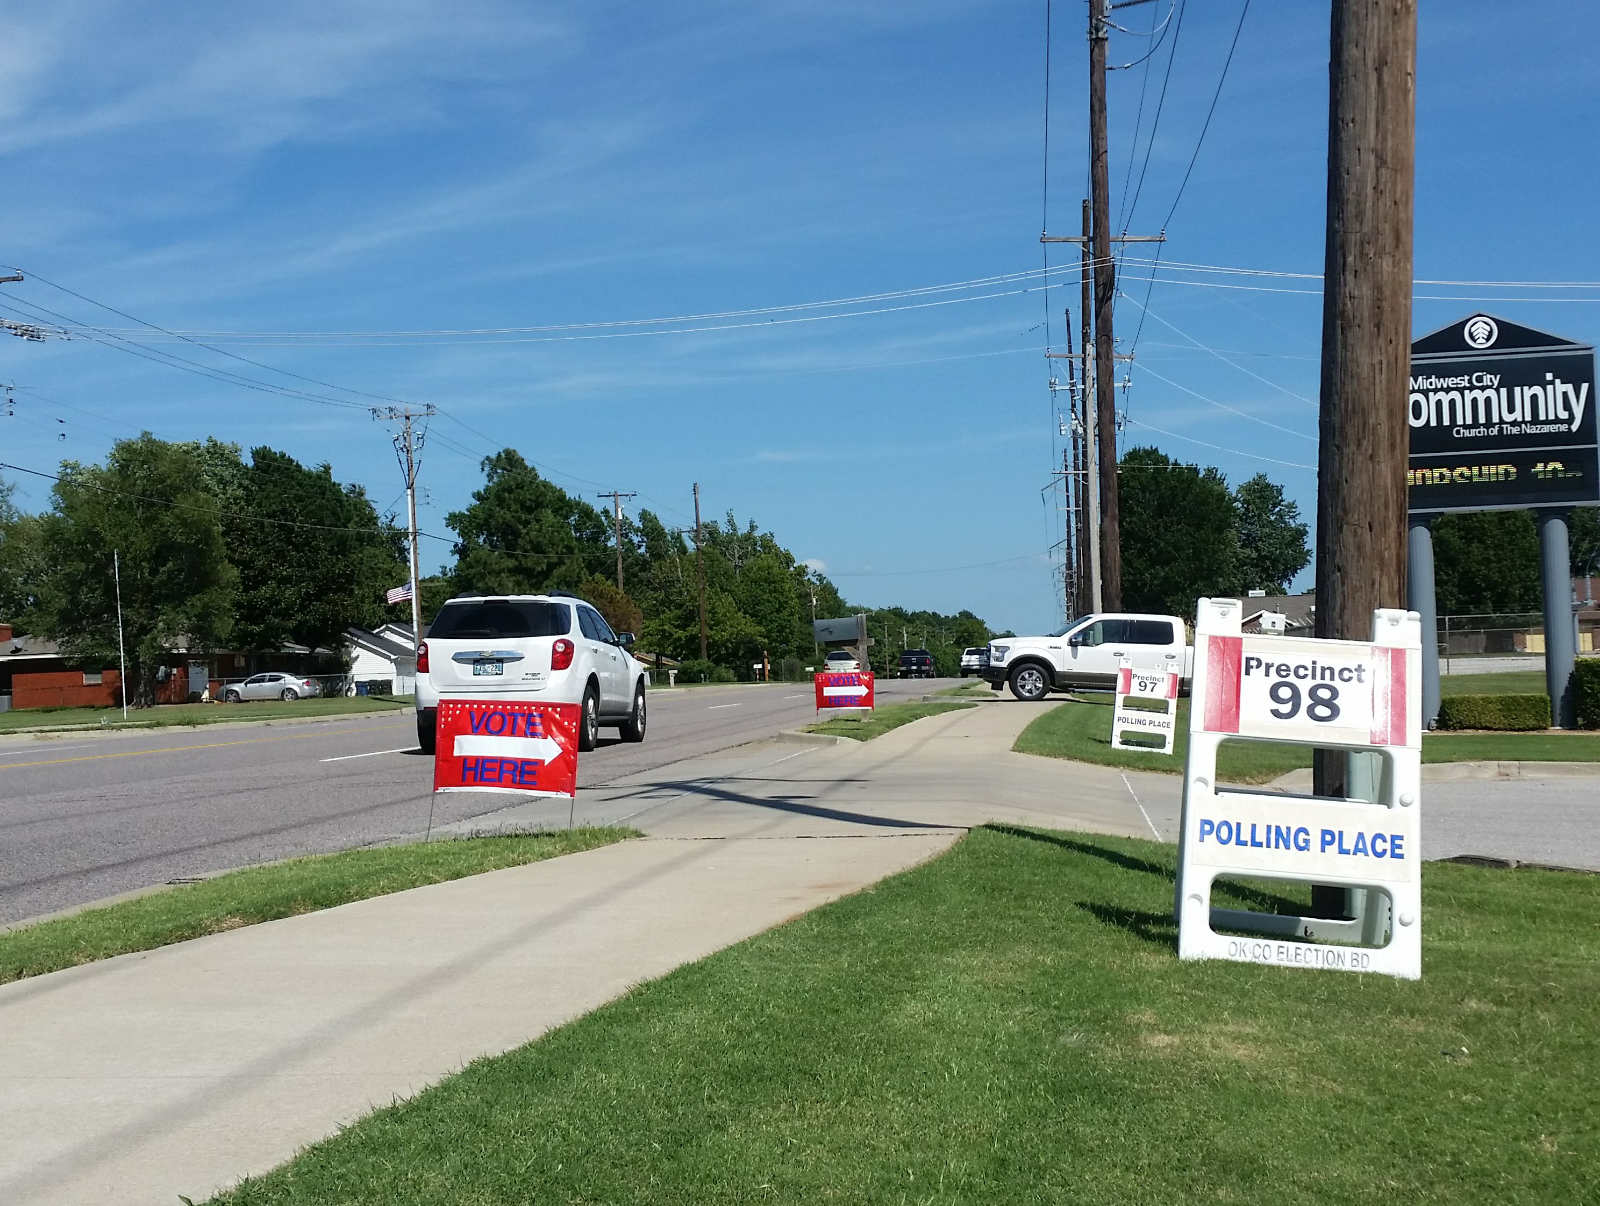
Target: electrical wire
[1299,435]
[1213,352]
[208,347]
[1244,11]
[183,364]
[1218,447]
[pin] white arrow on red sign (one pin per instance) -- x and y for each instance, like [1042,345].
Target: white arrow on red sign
[541,749]
[855,691]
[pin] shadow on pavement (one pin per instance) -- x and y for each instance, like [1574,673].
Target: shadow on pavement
[792,804]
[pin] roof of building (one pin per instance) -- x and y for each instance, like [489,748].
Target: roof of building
[1300,609]
[20,647]
[384,643]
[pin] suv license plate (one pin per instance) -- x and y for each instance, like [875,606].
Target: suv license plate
[482,668]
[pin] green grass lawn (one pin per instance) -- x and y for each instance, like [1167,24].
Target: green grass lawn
[1010,1024]
[969,690]
[301,885]
[1507,682]
[198,713]
[883,718]
[1081,731]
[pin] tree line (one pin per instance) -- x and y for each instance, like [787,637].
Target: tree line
[218,551]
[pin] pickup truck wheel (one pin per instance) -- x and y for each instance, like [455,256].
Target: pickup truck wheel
[1028,683]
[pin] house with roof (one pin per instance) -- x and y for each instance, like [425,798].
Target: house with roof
[1262,613]
[385,654]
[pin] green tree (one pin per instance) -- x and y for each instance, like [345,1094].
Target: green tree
[19,558]
[148,504]
[1583,532]
[621,612]
[1486,563]
[1272,540]
[522,534]
[313,556]
[1180,538]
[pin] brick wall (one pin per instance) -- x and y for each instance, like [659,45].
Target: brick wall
[64,689]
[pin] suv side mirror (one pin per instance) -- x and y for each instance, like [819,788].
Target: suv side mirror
[1078,638]
[625,639]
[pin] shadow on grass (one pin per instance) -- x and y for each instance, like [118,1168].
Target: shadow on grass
[1158,929]
[1126,861]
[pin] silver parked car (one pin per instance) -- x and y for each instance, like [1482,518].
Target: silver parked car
[271,685]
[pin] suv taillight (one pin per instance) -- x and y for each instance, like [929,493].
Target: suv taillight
[422,658]
[561,655]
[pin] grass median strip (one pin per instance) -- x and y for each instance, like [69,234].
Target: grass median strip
[1010,1023]
[884,718]
[255,894]
[1081,731]
[172,715]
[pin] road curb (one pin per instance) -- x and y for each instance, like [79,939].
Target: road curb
[800,737]
[56,730]
[1464,772]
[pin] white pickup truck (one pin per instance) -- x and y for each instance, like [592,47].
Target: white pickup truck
[1088,652]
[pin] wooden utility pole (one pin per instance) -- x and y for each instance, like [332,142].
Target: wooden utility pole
[1091,466]
[407,446]
[1105,296]
[1366,327]
[700,571]
[616,497]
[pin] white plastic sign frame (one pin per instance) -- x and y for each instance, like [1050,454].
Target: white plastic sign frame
[1350,695]
[1145,684]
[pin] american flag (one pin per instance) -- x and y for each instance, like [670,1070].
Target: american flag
[399,594]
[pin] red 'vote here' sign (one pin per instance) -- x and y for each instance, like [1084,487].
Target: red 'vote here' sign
[525,747]
[847,690]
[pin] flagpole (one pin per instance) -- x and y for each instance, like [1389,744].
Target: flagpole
[122,655]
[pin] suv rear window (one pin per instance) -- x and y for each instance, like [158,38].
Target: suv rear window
[493,618]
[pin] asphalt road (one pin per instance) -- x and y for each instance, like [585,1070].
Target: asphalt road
[87,816]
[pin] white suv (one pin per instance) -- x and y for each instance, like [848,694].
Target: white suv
[530,647]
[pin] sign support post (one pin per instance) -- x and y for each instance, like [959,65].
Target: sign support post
[1560,647]
[1422,599]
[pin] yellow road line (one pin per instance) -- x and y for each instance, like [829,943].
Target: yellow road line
[165,749]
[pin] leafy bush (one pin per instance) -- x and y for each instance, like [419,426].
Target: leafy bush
[1503,713]
[789,670]
[1586,686]
[700,670]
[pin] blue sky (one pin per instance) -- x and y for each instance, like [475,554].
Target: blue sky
[286,181]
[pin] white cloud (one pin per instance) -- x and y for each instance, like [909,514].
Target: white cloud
[816,565]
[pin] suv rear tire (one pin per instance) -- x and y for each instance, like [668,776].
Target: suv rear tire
[633,729]
[1028,682]
[589,721]
[427,730]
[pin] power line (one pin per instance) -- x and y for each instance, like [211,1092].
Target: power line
[168,359]
[1184,184]
[1213,352]
[1219,448]
[208,347]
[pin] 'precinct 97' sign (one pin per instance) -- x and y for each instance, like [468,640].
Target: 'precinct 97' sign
[1502,417]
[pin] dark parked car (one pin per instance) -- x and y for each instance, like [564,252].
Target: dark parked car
[916,663]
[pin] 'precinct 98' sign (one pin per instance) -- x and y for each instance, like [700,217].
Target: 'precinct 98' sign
[1502,417]
[1344,693]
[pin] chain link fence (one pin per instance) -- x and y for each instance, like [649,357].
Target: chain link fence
[1505,640]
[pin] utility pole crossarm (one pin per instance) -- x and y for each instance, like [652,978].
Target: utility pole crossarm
[1122,238]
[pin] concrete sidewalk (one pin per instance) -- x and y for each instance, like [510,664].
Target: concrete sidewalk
[180,1070]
